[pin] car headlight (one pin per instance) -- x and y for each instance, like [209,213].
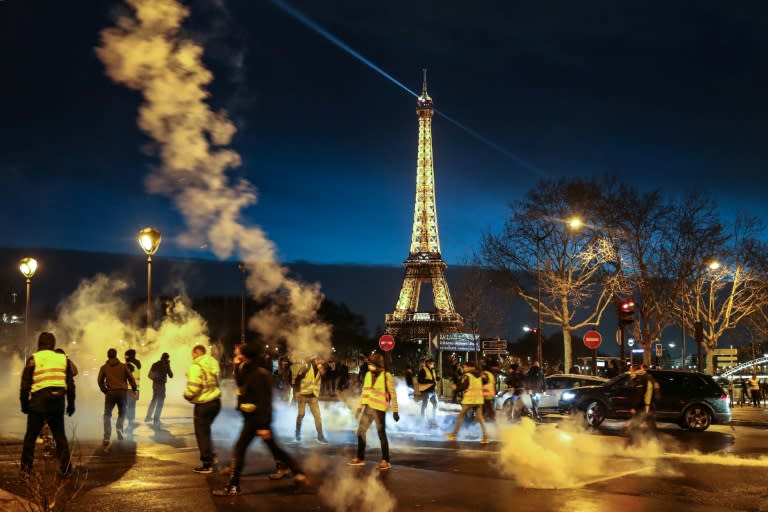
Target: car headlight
[568,395]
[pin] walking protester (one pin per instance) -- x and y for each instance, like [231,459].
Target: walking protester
[514,380]
[378,395]
[754,390]
[134,365]
[427,381]
[489,389]
[115,379]
[744,392]
[307,390]
[159,373]
[254,401]
[457,372]
[536,385]
[46,382]
[204,392]
[642,425]
[472,385]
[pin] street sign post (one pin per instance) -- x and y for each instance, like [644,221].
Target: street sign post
[386,343]
[592,339]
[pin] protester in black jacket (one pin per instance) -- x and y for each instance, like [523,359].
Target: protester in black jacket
[255,404]
[159,373]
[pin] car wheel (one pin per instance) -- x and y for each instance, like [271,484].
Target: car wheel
[594,414]
[697,418]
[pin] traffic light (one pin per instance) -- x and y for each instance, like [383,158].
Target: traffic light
[626,312]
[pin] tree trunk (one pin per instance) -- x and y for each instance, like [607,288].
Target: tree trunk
[710,358]
[567,350]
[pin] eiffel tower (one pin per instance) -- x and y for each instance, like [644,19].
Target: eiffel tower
[425,263]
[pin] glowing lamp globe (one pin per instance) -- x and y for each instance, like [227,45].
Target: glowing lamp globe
[149,240]
[28,266]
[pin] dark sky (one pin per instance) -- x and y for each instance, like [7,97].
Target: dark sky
[665,94]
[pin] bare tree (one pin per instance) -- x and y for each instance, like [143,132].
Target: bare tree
[538,252]
[725,291]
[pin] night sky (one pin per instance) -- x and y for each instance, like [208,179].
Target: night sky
[664,94]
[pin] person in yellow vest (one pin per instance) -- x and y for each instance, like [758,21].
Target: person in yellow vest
[307,386]
[472,385]
[134,365]
[754,390]
[427,381]
[47,380]
[489,389]
[203,390]
[377,397]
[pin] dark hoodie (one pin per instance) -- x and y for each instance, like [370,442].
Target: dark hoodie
[115,375]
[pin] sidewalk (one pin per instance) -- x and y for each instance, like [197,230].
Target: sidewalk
[748,416]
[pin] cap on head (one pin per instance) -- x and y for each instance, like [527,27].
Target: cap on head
[46,341]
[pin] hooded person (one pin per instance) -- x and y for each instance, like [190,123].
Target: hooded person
[115,380]
[204,392]
[377,397]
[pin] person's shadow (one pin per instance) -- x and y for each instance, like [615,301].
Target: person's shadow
[163,436]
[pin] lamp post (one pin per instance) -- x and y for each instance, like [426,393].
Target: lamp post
[244,271]
[149,240]
[28,267]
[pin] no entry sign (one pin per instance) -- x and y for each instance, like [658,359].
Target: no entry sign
[592,339]
[386,343]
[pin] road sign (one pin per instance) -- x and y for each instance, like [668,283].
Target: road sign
[726,351]
[495,352]
[592,339]
[386,343]
[658,350]
[495,344]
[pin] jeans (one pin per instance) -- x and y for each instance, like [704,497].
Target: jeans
[314,407]
[112,398]
[368,416]
[429,396]
[130,407]
[250,426]
[155,408]
[203,417]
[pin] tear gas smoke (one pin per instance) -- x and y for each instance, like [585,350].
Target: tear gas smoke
[146,53]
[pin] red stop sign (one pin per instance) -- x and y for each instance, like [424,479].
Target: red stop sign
[386,343]
[592,339]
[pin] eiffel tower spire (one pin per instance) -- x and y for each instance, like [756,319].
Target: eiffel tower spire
[425,263]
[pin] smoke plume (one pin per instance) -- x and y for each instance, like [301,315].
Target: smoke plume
[145,52]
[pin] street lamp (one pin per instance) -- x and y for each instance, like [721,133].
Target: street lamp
[244,271]
[28,267]
[149,240]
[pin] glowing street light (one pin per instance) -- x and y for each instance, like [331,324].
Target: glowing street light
[575,223]
[28,267]
[149,240]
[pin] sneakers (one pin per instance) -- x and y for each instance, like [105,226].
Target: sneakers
[450,437]
[485,441]
[119,435]
[228,490]
[322,440]
[105,443]
[356,462]
[279,473]
[384,464]
[204,469]
[301,480]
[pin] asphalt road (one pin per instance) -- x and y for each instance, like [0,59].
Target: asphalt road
[552,466]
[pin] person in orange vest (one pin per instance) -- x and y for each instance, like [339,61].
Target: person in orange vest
[307,390]
[46,381]
[472,385]
[377,397]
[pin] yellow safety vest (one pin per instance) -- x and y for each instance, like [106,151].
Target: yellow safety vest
[430,374]
[754,385]
[310,384]
[375,393]
[489,390]
[473,395]
[50,370]
[136,374]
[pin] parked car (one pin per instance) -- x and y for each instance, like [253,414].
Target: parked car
[549,399]
[691,399]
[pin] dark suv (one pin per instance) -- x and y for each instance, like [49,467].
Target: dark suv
[692,400]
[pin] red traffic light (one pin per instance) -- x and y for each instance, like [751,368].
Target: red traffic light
[627,306]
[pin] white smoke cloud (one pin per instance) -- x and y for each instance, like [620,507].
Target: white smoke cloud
[145,52]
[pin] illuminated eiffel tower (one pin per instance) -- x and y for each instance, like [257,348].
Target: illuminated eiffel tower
[425,263]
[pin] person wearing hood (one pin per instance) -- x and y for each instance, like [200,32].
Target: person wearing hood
[115,379]
[134,365]
[204,392]
[159,373]
[471,384]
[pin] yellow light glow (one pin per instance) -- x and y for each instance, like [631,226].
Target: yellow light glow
[575,223]
[149,240]
[714,265]
[28,266]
